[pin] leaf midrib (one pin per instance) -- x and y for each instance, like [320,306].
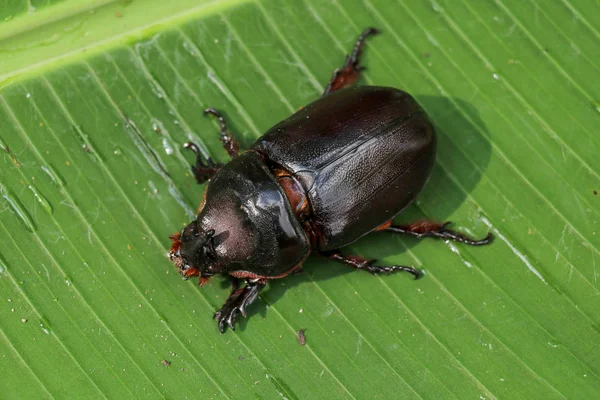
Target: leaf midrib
[68,34]
[35,20]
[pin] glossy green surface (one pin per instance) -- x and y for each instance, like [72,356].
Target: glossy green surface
[91,305]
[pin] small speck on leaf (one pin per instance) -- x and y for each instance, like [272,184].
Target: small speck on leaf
[165,363]
[301,337]
[14,158]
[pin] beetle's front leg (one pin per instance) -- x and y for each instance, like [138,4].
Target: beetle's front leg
[367,265]
[432,229]
[204,169]
[237,302]
[350,72]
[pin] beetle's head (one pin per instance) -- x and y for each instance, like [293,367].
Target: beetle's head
[193,252]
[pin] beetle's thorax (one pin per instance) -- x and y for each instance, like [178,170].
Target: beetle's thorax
[253,227]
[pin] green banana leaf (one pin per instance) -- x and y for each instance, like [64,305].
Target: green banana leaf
[97,98]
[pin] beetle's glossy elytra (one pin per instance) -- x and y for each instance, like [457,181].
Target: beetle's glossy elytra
[361,154]
[338,169]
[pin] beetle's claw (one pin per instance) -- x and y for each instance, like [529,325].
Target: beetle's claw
[371,31]
[192,147]
[237,302]
[226,318]
[418,273]
[222,319]
[445,225]
[212,111]
[231,322]
[230,319]
[227,315]
[488,238]
[222,326]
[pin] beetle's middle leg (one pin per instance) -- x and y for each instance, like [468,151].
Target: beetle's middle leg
[229,142]
[433,229]
[236,303]
[206,169]
[350,72]
[367,265]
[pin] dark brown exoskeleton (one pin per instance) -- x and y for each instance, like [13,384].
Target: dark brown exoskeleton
[339,168]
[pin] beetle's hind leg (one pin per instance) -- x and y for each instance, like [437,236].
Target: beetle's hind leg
[367,265]
[431,229]
[350,72]
[238,300]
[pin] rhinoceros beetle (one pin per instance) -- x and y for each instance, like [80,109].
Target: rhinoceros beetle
[336,170]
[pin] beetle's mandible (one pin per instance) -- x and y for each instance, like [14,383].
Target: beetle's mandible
[336,170]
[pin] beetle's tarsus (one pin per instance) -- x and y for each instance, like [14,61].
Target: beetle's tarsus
[388,269]
[204,169]
[350,72]
[358,46]
[229,142]
[431,229]
[237,303]
[363,264]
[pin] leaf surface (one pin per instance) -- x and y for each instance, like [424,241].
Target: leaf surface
[92,306]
